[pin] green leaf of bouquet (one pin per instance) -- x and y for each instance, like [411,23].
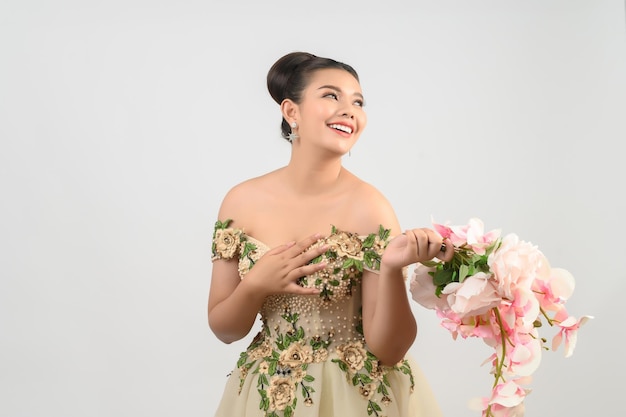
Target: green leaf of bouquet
[439,290]
[443,277]
[463,272]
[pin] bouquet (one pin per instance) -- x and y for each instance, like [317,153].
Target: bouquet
[500,289]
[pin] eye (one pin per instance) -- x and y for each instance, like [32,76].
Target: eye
[331,95]
[359,103]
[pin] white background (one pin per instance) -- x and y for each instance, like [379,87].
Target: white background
[123,124]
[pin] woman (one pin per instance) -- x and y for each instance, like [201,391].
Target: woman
[320,255]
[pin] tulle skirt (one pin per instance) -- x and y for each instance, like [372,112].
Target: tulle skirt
[335,394]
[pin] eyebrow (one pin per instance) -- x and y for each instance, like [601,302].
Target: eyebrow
[337,89]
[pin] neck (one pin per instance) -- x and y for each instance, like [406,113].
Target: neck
[313,176]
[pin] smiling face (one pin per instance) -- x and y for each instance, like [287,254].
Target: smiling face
[330,113]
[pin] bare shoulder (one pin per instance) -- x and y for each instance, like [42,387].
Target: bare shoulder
[372,208]
[237,201]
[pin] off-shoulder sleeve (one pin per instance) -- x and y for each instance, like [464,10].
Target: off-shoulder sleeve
[374,246]
[226,241]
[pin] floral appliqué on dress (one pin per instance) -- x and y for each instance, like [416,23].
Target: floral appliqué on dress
[280,356]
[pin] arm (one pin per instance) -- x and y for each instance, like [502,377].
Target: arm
[388,321]
[389,325]
[232,307]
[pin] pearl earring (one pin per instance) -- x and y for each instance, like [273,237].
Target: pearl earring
[292,135]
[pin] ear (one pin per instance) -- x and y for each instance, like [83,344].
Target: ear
[289,109]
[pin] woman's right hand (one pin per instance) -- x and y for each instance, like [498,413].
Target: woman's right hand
[278,270]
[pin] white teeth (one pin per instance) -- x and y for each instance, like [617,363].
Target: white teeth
[341,127]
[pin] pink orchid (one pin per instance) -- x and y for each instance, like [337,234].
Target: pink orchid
[526,308]
[497,289]
[451,322]
[553,292]
[508,394]
[569,331]
[525,356]
[476,237]
[471,234]
[497,410]
[470,326]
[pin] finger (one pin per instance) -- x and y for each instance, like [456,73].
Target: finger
[421,238]
[433,246]
[280,248]
[300,290]
[411,241]
[312,253]
[299,247]
[306,270]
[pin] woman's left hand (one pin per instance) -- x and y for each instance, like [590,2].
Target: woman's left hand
[416,245]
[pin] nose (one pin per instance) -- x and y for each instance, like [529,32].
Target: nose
[347,114]
[346,111]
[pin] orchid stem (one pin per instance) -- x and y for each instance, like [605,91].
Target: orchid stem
[500,362]
[503,338]
[550,321]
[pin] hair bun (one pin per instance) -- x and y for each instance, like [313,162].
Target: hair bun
[279,74]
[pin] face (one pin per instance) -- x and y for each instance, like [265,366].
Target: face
[330,113]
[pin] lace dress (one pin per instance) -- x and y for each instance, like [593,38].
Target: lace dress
[310,357]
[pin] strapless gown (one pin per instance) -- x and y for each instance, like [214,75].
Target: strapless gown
[310,358]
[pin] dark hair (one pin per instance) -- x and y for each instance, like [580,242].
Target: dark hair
[290,75]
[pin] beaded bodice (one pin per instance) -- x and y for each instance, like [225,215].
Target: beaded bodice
[300,331]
